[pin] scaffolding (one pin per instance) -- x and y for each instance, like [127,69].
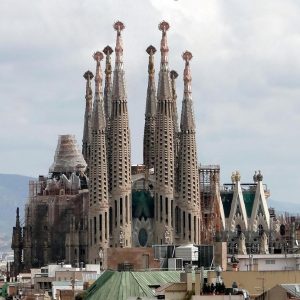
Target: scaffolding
[209,185]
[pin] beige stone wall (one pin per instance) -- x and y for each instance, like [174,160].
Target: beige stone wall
[256,281]
[220,254]
[175,295]
[276,293]
[138,257]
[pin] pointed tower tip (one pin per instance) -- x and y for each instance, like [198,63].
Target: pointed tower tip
[98,56]
[187,77]
[151,50]
[187,56]
[119,26]
[164,49]
[163,26]
[88,75]
[173,74]
[108,50]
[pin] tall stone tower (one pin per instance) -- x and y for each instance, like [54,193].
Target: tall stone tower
[189,194]
[98,187]
[174,75]
[164,149]
[108,85]
[120,204]
[17,245]
[107,105]
[151,102]
[86,140]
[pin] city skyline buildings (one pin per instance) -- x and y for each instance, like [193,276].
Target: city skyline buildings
[245,119]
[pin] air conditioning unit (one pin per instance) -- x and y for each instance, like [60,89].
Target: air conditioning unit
[175,264]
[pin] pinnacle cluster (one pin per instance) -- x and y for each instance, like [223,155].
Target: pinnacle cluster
[170,168]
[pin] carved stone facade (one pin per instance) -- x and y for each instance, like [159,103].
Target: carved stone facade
[169,199]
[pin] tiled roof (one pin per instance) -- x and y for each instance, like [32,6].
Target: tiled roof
[293,289]
[115,285]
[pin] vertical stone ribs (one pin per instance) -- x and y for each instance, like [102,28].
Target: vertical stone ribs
[151,102]
[189,195]
[164,148]
[120,153]
[86,140]
[107,106]
[98,187]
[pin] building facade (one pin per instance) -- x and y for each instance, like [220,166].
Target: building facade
[95,199]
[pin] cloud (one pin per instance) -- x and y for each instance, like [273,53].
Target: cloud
[245,69]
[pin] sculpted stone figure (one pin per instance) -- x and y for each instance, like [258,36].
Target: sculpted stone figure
[122,237]
[167,236]
[242,244]
[264,248]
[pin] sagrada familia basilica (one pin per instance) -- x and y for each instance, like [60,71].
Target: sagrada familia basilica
[94,199]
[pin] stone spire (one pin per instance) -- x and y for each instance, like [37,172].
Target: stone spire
[238,215]
[151,102]
[187,116]
[98,187]
[189,194]
[164,148]
[108,83]
[86,140]
[260,213]
[98,119]
[174,75]
[120,175]
[17,245]
[108,104]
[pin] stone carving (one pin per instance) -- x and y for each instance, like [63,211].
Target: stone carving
[255,177]
[264,248]
[121,237]
[242,244]
[237,176]
[233,177]
[259,176]
[254,225]
[167,236]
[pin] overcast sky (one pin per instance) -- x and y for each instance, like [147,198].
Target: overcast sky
[246,79]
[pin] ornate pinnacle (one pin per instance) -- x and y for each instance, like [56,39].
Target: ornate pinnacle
[108,50]
[163,26]
[98,56]
[151,51]
[107,87]
[119,26]
[164,49]
[187,77]
[88,75]
[173,74]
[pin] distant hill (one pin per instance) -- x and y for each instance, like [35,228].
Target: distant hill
[13,194]
[281,206]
